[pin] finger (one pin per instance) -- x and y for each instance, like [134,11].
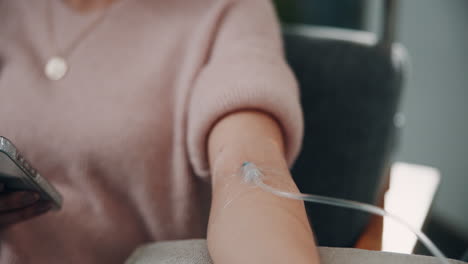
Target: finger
[17,200]
[19,215]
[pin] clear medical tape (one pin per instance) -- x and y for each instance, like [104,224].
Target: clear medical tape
[253,175]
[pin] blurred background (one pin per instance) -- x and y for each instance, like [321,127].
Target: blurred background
[434,101]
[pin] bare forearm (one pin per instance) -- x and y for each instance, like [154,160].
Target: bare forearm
[248,225]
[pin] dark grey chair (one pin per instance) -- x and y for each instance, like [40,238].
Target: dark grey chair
[351,82]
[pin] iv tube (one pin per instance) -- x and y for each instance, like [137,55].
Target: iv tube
[252,174]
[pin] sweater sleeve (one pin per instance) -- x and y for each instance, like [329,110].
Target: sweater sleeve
[246,70]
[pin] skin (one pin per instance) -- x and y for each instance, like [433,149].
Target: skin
[256,226]
[261,227]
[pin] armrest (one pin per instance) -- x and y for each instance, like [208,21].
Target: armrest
[196,252]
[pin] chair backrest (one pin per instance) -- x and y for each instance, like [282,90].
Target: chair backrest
[350,87]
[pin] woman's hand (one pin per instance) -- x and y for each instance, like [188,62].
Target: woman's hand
[19,206]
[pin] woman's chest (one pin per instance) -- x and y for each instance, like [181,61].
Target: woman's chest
[121,98]
[107,107]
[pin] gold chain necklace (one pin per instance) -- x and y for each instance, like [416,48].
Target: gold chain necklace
[57,66]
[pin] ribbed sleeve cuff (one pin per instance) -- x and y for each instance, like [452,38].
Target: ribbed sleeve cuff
[266,85]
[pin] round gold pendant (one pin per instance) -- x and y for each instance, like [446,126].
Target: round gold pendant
[56,68]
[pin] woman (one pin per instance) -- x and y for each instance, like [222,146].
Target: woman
[134,109]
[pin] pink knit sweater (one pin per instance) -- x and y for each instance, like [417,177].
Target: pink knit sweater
[123,135]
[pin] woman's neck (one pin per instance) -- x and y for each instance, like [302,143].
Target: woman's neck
[88,5]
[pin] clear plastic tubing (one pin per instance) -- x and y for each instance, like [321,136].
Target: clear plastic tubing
[253,175]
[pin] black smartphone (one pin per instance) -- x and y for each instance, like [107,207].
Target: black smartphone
[17,174]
